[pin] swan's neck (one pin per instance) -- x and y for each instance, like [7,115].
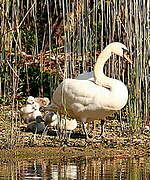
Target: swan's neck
[99,76]
[113,100]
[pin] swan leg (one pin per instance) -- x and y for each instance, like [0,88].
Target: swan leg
[122,127]
[57,133]
[69,135]
[45,131]
[59,129]
[85,130]
[102,126]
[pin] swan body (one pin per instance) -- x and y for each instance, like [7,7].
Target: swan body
[64,124]
[70,125]
[36,126]
[27,112]
[53,120]
[87,100]
[42,101]
[81,103]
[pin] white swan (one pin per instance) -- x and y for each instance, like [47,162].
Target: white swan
[42,101]
[27,112]
[53,120]
[85,100]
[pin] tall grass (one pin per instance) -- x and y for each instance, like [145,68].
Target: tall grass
[64,37]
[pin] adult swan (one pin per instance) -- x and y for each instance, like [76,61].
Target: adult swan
[87,100]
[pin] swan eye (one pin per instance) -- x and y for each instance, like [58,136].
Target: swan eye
[126,55]
[125,52]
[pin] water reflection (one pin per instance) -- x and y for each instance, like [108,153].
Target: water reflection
[76,168]
[64,171]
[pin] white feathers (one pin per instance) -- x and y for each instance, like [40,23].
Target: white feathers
[42,101]
[30,100]
[36,113]
[54,121]
[86,100]
[49,118]
[30,111]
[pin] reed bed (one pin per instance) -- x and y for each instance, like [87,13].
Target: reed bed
[44,41]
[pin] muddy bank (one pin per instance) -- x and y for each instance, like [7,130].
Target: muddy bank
[15,143]
[57,153]
[31,146]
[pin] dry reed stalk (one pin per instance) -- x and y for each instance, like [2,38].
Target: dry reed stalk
[85,28]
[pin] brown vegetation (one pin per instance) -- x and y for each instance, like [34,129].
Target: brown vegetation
[43,42]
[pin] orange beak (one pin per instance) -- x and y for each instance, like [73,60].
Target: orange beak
[126,56]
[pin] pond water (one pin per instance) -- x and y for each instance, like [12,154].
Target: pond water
[89,168]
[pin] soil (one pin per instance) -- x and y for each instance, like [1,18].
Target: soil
[19,144]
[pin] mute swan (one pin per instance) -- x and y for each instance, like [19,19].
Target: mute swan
[42,101]
[27,111]
[85,100]
[52,119]
[36,126]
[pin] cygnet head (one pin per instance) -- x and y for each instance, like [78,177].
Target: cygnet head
[120,50]
[49,118]
[30,100]
[37,116]
[38,119]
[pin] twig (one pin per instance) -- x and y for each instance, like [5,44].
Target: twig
[13,70]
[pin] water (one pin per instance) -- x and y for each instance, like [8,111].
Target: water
[89,168]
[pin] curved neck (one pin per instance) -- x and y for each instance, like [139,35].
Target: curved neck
[99,75]
[113,101]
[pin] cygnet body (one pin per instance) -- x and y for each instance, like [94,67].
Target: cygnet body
[50,118]
[70,125]
[27,112]
[65,124]
[36,126]
[43,102]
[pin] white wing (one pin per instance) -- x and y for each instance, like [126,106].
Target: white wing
[85,76]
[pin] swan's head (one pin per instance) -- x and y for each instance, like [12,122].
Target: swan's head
[30,100]
[120,50]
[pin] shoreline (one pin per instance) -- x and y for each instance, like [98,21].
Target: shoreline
[89,150]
